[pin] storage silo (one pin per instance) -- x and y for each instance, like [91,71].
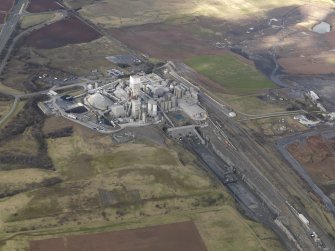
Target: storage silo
[144,117]
[154,109]
[174,102]
[144,107]
[136,108]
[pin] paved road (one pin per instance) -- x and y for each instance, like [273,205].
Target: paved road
[25,32]
[7,30]
[18,97]
[10,112]
[12,20]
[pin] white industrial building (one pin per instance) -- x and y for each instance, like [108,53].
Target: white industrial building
[152,108]
[192,109]
[313,96]
[135,85]
[98,101]
[139,101]
[169,97]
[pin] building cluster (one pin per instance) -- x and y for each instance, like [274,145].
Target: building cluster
[143,99]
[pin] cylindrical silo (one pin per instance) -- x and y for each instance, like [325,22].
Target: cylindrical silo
[154,109]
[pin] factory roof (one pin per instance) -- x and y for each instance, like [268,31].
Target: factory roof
[192,109]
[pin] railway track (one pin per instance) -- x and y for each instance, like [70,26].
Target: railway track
[260,162]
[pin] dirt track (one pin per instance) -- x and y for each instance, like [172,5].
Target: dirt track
[43,5]
[171,237]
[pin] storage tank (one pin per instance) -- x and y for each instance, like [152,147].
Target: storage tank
[171,87]
[144,107]
[178,92]
[166,105]
[232,114]
[151,102]
[169,105]
[144,117]
[154,109]
[135,85]
[174,102]
[136,108]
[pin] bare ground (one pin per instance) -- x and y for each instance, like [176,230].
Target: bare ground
[317,155]
[171,237]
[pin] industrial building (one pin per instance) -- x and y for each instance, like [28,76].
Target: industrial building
[139,101]
[190,107]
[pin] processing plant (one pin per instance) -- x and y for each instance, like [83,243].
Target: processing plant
[141,100]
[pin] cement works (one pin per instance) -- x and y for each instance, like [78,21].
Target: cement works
[142,100]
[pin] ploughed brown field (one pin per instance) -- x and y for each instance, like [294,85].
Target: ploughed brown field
[317,155]
[2,17]
[43,5]
[182,236]
[6,5]
[166,41]
[61,33]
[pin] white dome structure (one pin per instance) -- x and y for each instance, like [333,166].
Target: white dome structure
[99,101]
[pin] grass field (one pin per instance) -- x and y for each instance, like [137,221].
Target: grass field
[21,144]
[235,75]
[250,104]
[31,20]
[147,184]
[114,13]
[5,107]
[19,107]
[81,58]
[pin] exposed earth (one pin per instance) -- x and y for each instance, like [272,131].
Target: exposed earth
[317,155]
[5,5]
[178,237]
[2,17]
[166,41]
[61,33]
[36,6]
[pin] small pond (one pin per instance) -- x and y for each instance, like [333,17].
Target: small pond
[322,28]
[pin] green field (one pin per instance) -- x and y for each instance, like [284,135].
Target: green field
[236,76]
[32,20]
